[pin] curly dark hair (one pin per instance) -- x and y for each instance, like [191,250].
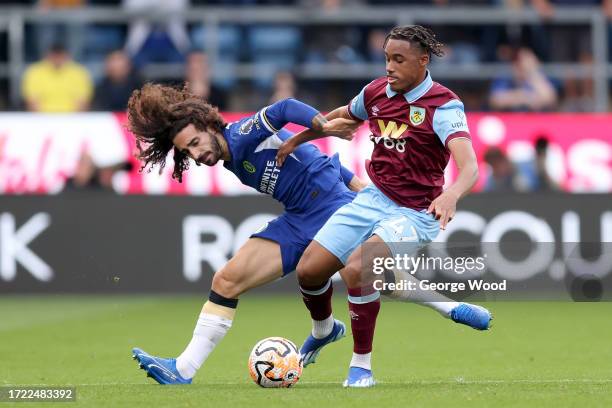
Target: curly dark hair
[156,113]
[417,34]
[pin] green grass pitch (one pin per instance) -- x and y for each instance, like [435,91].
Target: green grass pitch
[536,355]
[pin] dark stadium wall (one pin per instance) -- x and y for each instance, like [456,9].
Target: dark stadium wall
[90,242]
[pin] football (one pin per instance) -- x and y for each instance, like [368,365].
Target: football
[275,362]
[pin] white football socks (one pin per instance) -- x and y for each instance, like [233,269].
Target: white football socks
[209,331]
[431,299]
[443,305]
[444,308]
[322,328]
[362,360]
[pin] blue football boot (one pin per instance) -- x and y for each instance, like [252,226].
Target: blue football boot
[477,317]
[162,370]
[359,378]
[312,346]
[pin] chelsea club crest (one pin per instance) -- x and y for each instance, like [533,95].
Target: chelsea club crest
[246,127]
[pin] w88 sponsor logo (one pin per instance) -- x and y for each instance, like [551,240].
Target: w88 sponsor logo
[391,144]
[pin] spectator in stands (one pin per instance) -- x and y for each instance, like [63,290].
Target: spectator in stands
[528,89]
[71,34]
[198,79]
[376,40]
[85,175]
[578,93]
[502,176]
[576,39]
[165,41]
[57,84]
[467,44]
[88,177]
[577,47]
[541,180]
[284,87]
[115,88]
[333,43]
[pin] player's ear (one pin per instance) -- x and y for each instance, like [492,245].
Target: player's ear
[424,59]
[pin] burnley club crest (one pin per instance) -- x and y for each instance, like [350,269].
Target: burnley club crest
[417,115]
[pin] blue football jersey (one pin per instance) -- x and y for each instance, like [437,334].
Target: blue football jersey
[253,143]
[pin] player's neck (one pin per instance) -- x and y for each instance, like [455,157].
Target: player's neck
[225,152]
[416,83]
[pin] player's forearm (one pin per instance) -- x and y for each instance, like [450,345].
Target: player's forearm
[341,112]
[316,128]
[319,127]
[293,111]
[466,179]
[314,132]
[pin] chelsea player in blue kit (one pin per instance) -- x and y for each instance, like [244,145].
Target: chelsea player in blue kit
[310,185]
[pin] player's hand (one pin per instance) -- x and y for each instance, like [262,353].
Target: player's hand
[284,150]
[443,208]
[342,128]
[356,184]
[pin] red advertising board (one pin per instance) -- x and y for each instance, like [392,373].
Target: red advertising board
[38,152]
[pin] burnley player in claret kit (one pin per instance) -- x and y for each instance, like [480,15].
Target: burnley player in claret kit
[417,125]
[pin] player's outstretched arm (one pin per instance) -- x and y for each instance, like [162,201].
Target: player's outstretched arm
[337,123]
[445,205]
[291,110]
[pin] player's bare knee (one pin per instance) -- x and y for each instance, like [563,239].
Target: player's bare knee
[305,272]
[352,274]
[316,266]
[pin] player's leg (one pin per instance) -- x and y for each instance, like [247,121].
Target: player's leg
[397,231]
[257,262]
[474,316]
[323,257]
[317,290]
[317,294]
[364,305]
[393,231]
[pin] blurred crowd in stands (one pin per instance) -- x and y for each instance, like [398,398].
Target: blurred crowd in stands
[64,60]
[532,175]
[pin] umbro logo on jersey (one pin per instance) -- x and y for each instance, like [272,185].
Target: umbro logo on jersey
[375,110]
